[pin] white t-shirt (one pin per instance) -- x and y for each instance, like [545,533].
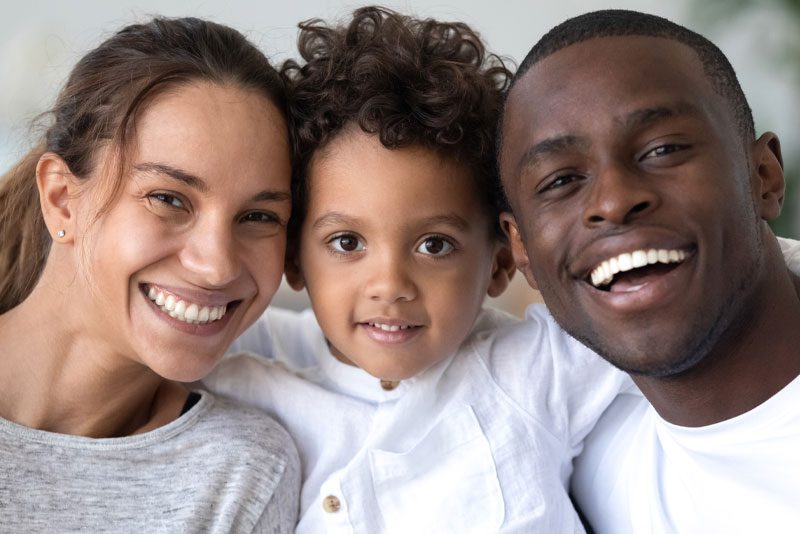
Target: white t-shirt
[482,442]
[641,474]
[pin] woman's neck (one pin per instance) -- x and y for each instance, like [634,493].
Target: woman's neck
[55,376]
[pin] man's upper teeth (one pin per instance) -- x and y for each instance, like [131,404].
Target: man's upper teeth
[389,327]
[183,310]
[604,273]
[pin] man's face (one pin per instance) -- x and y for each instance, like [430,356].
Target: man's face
[618,155]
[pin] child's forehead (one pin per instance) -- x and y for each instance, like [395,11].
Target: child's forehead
[360,179]
[356,152]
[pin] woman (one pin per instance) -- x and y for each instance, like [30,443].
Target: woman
[137,242]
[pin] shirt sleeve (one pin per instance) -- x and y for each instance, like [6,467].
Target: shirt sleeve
[561,384]
[281,513]
[791,253]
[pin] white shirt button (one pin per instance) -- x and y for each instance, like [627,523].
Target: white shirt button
[389,385]
[331,504]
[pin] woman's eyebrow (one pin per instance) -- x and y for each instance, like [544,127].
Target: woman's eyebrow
[174,173]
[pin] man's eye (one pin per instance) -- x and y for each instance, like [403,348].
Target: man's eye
[346,243]
[663,150]
[560,181]
[435,246]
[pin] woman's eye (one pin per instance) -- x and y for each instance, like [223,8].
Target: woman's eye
[346,243]
[168,199]
[260,217]
[435,246]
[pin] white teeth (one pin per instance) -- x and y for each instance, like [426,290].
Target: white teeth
[625,262]
[389,327]
[639,258]
[188,312]
[604,273]
[192,312]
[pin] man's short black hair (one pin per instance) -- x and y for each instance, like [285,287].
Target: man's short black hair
[619,22]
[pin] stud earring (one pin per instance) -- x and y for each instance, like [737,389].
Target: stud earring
[61,233]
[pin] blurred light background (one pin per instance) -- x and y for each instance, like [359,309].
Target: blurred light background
[41,40]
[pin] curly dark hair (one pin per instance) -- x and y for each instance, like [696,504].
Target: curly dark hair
[410,81]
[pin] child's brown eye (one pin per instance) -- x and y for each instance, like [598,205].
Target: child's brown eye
[346,243]
[435,246]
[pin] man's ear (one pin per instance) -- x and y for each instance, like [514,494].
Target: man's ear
[58,190]
[503,269]
[768,180]
[291,268]
[509,224]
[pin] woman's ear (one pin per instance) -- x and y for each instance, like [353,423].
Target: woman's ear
[57,194]
[509,224]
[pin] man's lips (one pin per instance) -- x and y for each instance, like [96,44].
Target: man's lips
[607,270]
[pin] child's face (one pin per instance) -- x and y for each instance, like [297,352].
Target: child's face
[397,253]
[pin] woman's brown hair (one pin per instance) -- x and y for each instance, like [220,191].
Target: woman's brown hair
[97,107]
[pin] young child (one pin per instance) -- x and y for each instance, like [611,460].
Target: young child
[412,409]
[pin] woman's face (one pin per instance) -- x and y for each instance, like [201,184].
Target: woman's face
[192,251]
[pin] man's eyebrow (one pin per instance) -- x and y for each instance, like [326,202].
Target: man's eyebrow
[174,173]
[549,146]
[643,117]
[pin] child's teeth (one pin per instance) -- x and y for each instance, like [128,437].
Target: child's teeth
[188,312]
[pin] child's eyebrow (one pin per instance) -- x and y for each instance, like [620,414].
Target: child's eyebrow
[334,218]
[450,219]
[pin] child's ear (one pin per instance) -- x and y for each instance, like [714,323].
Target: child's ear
[768,180]
[502,270]
[291,268]
[509,224]
[58,190]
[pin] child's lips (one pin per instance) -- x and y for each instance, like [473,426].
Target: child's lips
[391,331]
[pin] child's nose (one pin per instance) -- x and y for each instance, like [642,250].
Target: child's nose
[390,281]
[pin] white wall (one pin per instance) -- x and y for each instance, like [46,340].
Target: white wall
[41,40]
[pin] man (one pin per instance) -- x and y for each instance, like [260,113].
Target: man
[640,199]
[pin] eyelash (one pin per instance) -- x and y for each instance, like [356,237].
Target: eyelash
[332,248]
[266,218]
[435,237]
[166,199]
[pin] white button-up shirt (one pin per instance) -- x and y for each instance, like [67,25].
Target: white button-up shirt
[482,442]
